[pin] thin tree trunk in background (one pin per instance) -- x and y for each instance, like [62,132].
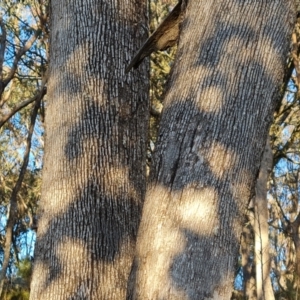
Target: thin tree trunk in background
[297,266]
[264,288]
[95,151]
[256,265]
[217,111]
[13,211]
[295,225]
[247,241]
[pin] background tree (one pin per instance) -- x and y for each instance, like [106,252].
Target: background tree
[283,198]
[264,290]
[282,135]
[23,52]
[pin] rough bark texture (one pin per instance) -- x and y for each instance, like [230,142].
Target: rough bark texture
[264,288]
[217,111]
[247,241]
[96,132]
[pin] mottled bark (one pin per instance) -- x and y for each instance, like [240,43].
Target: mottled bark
[218,108]
[94,170]
[264,288]
[247,255]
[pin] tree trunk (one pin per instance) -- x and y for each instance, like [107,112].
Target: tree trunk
[95,151]
[217,111]
[296,240]
[247,242]
[264,288]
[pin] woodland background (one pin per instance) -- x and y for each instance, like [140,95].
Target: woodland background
[24,38]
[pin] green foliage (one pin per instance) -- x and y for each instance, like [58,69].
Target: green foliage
[24,269]
[238,295]
[16,294]
[17,286]
[290,291]
[23,63]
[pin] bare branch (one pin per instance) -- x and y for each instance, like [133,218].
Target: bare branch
[288,223]
[37,97]
[18,56]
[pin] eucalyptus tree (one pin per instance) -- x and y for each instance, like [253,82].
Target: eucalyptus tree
[218,108]
[224,88]
[95,151]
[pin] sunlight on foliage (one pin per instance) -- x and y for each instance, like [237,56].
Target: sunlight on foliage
[24,30]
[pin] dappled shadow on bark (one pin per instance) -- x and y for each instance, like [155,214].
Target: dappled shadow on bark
[213,130]
[102,209]
[94,178]
[102,225]
[212,135]
[195,252]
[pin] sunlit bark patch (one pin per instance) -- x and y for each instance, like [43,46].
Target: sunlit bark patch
[197,213]
[66,271]
[210,99]
[220,159]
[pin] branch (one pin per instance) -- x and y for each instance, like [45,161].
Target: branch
[18,56]
[5,95]
[14,201]
[281,115]
[284,155]
[288,223]
[287,145]
[37,97]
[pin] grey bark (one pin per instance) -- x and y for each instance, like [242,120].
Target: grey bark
[247,259]
[217,111]
[261,228]
[94,168]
